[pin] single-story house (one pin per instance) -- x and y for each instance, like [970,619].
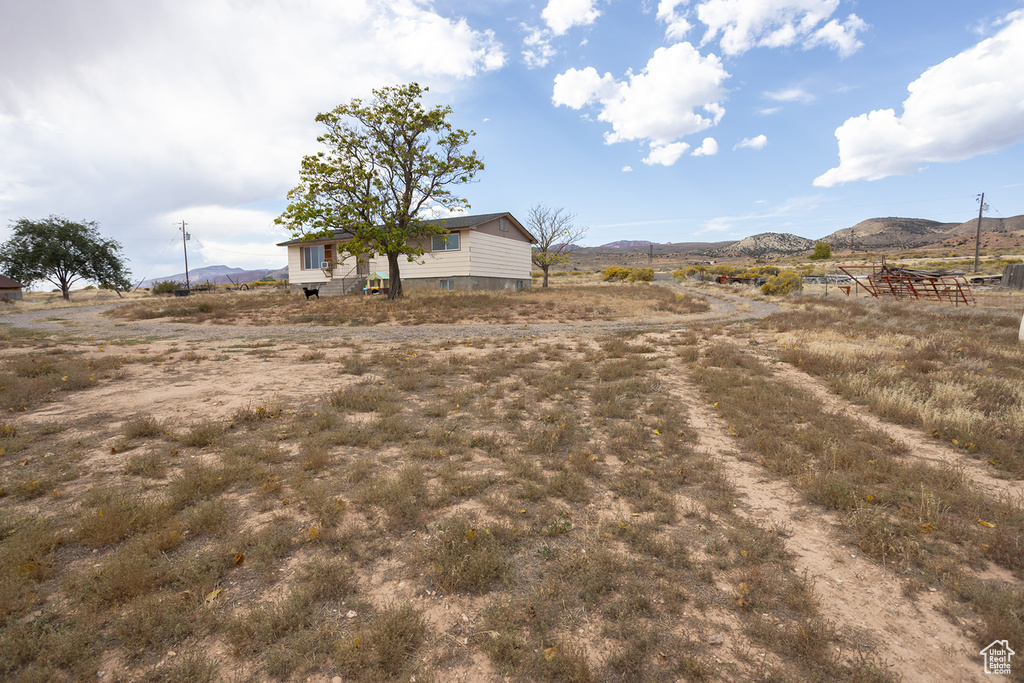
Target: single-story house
[10,289]
[489,251]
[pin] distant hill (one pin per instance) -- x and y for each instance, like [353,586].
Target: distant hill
[219,275]
[914,232]
[765,244]
[890,232]
[626,244]
[644,247]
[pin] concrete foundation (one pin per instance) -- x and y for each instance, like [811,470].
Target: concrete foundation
[458,284]
[466,283]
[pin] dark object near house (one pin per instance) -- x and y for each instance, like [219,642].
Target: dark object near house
[10,289]
[311,292]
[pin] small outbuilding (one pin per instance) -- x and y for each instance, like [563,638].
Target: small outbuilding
[10,289]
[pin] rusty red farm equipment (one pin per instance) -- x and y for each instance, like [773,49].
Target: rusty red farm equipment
[907,283]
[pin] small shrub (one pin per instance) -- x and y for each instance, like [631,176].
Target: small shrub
[141,427]
[784,283]
[465,558]
[166,287]
[149,464]
[641,275]
[403,496]
[203,434]
[383,649]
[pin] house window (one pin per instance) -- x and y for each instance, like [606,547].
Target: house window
[312,257]
[503,224]
[449,242]
[448,285]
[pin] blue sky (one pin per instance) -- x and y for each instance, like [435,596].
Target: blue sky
[692,120]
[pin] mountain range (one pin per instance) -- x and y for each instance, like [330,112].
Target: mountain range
[220,275]
[871,234]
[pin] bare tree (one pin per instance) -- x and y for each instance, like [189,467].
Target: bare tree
[556,233]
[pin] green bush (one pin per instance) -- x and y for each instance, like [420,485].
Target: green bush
[165,287]
[783,283]
[822,251]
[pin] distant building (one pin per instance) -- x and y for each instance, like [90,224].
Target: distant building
[489,251]
[10,289]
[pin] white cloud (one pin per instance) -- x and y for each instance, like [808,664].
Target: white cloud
[106,114]
[666,154]
[676,24]
[791,95]
[537,49]
[627,169]
[243,238]
[708,148]
[968,105]
[740,25]
[840,37]
[757,142]
[658,105]
[562,15]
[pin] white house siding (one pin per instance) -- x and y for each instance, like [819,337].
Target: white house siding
[493,256]
[480,255]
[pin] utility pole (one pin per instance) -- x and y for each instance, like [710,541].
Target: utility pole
[977,240]
[184,244]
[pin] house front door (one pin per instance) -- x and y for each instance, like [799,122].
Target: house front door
[363,265]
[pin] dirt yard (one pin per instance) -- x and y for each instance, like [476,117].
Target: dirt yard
[697,496]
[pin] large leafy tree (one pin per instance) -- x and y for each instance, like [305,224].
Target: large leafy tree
[556,233]
[62,252]
[385,161]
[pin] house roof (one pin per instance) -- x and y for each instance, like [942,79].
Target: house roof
[8,283]
[456,222]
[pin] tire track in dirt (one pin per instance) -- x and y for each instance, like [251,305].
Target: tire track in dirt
[920,446]
[860,597]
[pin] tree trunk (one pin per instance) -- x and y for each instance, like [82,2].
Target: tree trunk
[394,278]
[545,269]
